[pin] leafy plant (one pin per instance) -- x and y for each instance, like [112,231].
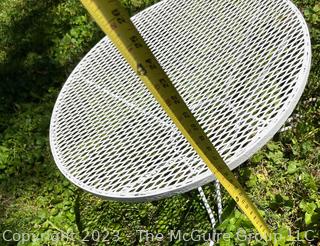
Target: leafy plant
[40,43]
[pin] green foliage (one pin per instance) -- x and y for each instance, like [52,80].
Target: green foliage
[40,43]
[136,5]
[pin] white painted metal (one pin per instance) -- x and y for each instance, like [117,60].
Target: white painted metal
[241,67]
[209,210]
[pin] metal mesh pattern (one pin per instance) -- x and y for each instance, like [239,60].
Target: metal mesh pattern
[241,67]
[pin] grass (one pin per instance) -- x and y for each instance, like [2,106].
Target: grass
[40,43]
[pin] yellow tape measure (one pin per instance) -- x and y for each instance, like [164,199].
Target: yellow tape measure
[115,22]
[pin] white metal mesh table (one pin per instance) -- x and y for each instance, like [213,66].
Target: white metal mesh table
[241,67]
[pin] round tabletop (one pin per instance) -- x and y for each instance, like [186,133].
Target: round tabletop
[241,67]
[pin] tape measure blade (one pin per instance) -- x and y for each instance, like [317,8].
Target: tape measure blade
[115,22]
